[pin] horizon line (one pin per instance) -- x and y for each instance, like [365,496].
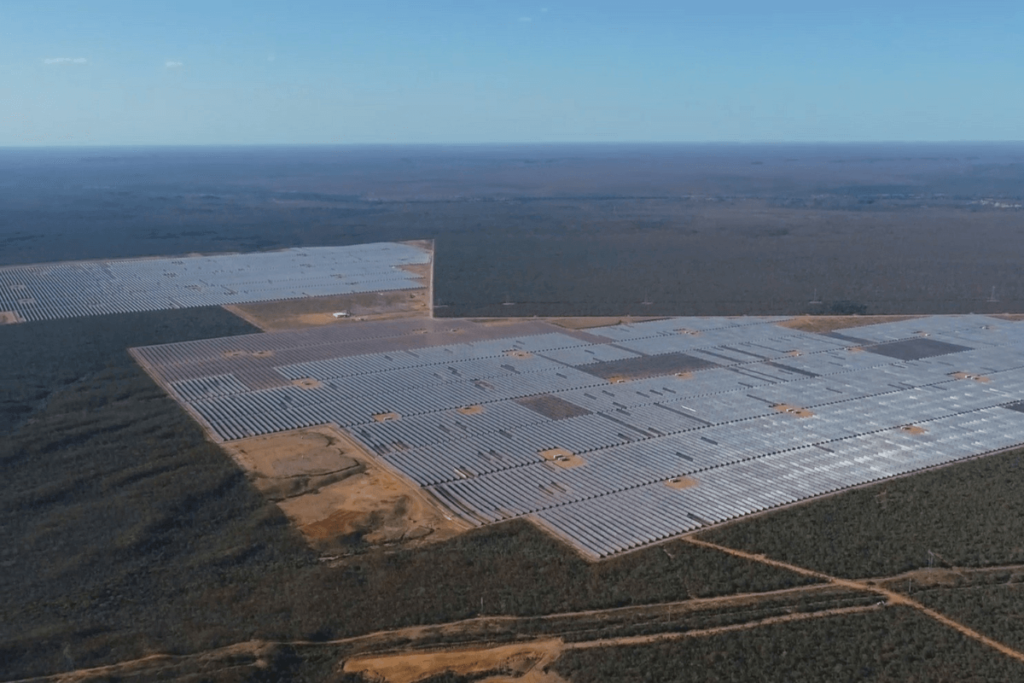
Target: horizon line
[735,143]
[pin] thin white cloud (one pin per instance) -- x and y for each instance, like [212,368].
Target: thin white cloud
[65,60]
[525,19]
[174,65]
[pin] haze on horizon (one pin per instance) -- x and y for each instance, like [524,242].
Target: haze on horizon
[115,72]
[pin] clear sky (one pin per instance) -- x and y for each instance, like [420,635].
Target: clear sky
[138,72]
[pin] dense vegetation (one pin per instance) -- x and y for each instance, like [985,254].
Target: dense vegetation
[969,514]
[994,607]
[124,531]
[576,230]
[45,357]
[894,644]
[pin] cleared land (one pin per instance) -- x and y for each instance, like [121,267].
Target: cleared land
[296,314]
[336,493]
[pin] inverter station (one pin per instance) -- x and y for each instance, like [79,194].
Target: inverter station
[611,438]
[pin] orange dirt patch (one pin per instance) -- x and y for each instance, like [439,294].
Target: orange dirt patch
[515,353]
[562,457]
[830,323]
[913,429]
[307,383]
[1014,317]
[681,482]
[966,375]
[692,333]
[386,417]
[684,375]
[470,410]
[301,452]
[524,663]
[10,317]
[792,410]
[334,491]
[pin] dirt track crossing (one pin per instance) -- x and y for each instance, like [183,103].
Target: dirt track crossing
[892,596]
[479,632]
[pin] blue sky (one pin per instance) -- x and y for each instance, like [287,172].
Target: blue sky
[109,72]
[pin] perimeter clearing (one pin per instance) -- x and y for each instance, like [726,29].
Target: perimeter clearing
[621,436]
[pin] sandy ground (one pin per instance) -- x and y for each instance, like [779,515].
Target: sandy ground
[274,316]
[524,663]
[9,318]
[562,458]
[336,493]
[792,410]
[830,323]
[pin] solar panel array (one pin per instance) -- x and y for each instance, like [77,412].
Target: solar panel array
[507,421]
[70,289]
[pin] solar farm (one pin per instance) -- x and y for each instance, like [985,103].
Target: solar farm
[71,289]
[617,437]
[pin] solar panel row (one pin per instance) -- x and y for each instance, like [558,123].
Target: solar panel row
[782,415]
[64,290]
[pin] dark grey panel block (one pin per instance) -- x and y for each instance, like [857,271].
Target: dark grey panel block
[787,368]
[552,407]
[648,366]
[916,349]
[847,338]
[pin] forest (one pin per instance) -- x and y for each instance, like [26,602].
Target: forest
[895,644]
[573,230]
[126,531]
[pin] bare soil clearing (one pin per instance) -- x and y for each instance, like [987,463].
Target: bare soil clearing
[9,318]
[562,458]
[524,663]
[336,493]
[792,410]
[831,323]
[275,316]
